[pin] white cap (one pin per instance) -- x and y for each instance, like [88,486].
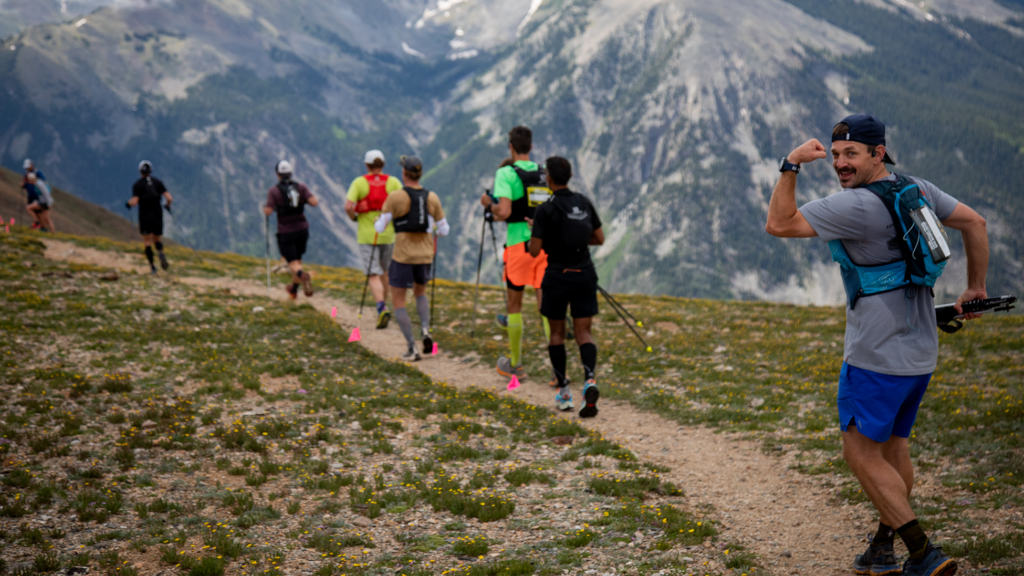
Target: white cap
[372,156]
[283,167]
[27,164]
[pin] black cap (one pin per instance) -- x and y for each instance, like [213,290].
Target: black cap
[866,130]
[411,162]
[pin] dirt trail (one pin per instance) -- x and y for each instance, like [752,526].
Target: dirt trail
[773,512]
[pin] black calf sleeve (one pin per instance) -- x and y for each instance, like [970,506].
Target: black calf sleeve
[149,254]
[557,354]
[588,354]
[159,246]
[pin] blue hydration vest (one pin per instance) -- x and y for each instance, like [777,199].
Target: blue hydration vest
[917,266]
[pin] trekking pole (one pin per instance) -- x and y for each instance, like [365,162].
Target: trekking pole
[498,258]
[433,285]
[174,221]
[479,265]
[369,266]
[622,314]
[616,304]
[131,216]
[266,243]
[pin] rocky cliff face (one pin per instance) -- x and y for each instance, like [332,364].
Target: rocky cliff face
[674,112]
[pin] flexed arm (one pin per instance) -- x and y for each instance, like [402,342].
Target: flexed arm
[784,219]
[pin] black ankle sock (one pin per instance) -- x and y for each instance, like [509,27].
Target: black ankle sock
[588,354]
[149,254]
[885,535]
[915,539]
[299,274]
[557,354]
[159,246]
[294,288]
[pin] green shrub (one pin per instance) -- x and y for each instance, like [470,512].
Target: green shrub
[475,546]
[525,475]
[628,487]
[579,538]
[46,562]
[93,505]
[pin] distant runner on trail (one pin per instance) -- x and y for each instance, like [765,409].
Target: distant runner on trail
[146,194]
[365,198]
[38,197]
[289,199]
[883,230]
[565,228]
[416,212]
[518,190]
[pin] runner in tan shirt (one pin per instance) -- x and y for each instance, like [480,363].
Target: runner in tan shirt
[416,213]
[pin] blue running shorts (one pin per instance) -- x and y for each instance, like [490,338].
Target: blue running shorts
[879,404]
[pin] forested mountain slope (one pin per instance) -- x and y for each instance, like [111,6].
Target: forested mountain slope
[675,113]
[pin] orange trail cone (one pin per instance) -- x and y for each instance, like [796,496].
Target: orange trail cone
[514,383]
[355,337]
[434,351]
[334,312]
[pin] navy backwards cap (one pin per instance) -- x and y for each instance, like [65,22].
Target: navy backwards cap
[866,130]
[411,162]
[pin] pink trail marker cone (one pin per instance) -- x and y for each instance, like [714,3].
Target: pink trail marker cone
[355,337]
[514,383]
[334,312]
[434,351]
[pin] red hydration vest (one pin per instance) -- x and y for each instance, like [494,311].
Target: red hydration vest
[374,201]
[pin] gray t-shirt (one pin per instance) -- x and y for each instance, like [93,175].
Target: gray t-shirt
[894,332]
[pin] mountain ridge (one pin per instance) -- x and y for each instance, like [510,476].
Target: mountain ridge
[675,113]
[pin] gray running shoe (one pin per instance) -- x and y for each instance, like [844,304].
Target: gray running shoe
[163,261]
[505,368]
[412,356]
[307,283]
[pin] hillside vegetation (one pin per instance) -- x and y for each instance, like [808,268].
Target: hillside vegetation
[768,372]
[71,214]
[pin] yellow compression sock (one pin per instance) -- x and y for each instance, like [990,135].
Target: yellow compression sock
[547,328]
[515,338]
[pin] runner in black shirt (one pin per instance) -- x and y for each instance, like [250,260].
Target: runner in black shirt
[146,194]
[565,227]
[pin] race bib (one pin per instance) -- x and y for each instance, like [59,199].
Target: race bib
[538,195]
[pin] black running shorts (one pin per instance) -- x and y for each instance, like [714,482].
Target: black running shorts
[292,245]
[405,275]
[151,222]
[569,288]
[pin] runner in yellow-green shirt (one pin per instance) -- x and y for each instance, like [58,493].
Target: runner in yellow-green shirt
[365,198]
[518,190]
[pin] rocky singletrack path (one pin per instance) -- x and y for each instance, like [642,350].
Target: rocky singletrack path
[773,512]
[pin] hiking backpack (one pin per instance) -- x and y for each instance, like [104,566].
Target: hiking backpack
[44,192]
[374,201]
[535,193]
[416,219]
[919,234]
[292,204]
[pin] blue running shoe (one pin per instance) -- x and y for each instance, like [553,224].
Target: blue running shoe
[934,563]
[502,320]
[590,396]
[563,400]
[877,561]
